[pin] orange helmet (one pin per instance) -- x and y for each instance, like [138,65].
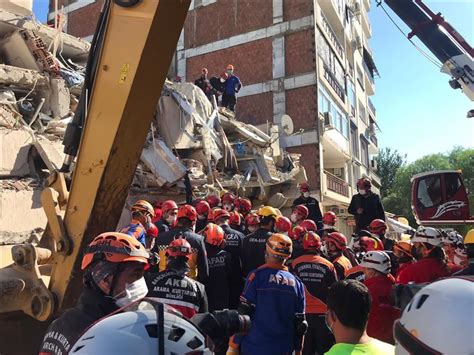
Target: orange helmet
[311,241]
[330,218]
[370,244]
[187,211]
[202,208]
[301,210]
[279,245]
[228,197]
[297,233]
[213,234]
[243,205]
[378,226]
[309,225]
[179,247]
[338,239]
[213,201]
[283,224]
[252,219]
[235,218]
[143,207]
[168,206]
[404,248]
[220,213]
[116,248]
[304,187]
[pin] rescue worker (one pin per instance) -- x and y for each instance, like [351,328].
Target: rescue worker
[198,266]
[228,201]
[254,244]
[298,214]
[432,261]
[451,240]
[275,301]
[366,205]
[309,225]
[218,85]
[151,235]
[173,287]
[235,221]
[469,243]
[113,264]
[283,225]
[213,201]
[142,213]
[296,235]
[379,281]
[336,243]
[220,268]
[317,275]
[329,224]
[379,228]
[232,87]
[169,210]
[349,305]
[310,203]
[158,212]
[252,223]
[202,210]
[403,252]
[233,244]
[366,244]
[203,82]
[243,206]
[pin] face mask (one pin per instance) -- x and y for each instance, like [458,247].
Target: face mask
[251,229]
[294,217]
[134,291]
[227,207]
[327,324]
[327,226]
[171,220]
[202,218]
[362,192]
[306,194]
[229,72]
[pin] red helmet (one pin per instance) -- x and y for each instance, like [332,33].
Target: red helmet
[311,241]
[210,214]
[228,197]
[338,239]
[152,231]
[252,219]
[187,211]
[370,244]
[297,233]
[143,207]
[378,226]
[330,218]
[179,247]
[309,225]
[213,201]
[283,224]
[202,208]
[243,205]
[213,234]
[364,183]
[301,210]
[115,247]
[235,218]
[168,206]
[304,187]
[220,213]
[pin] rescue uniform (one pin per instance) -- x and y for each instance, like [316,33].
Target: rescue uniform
[253,250]
[162,226]
[317,275]
[232,86]
[220,276]
[341,264]
[201,224]
[63,333]
[355,273]
[198,266]
[174,288]
[313,208]
[424,270]
[382,314]
[277,297]
[372,209]
[135,229]
[233,244]
[401,267]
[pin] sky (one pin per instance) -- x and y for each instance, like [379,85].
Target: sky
[417,111]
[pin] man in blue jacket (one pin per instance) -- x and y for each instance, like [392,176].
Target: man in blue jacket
[232,86]
[275,301]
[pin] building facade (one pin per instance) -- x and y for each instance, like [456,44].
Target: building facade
[309,59]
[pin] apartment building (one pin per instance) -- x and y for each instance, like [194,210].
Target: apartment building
[309,59]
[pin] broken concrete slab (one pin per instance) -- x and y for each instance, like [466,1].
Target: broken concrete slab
[51,152]
[60,99]
[22,78]
[15,52]
[14,151]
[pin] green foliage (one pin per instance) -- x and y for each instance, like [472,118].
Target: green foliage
[388,163]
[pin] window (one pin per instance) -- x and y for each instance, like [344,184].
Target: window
[453,184]
[340,120]
[351,96]
[334,72]
[364,152]
[360,77]
[354,141]
[345,126]
[362,112]
[429,191]
[324,103]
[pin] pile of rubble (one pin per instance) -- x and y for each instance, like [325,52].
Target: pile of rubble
[190,139]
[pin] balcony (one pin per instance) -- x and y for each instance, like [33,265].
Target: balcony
[335,189]
[369,80]
[366,26]
[334,13]
[371,106]
[373,139]
[332,36]
[331,79]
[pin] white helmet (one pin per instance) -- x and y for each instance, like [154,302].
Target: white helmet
[378,260]
[136,333]
[438,320]
[452,238]
[427,235]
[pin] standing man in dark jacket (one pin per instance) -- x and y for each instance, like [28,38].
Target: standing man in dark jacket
[254,244]
[187,216]
[366,205]
[232,87]
[311,204]
[203,82]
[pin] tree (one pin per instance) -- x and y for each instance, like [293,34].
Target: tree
[388,163]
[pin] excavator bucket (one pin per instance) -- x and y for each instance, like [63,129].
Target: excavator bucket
[440,197]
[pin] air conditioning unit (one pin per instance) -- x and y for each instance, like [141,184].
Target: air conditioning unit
[373,164]
[328,120]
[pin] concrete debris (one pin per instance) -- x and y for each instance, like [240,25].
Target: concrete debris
[51,152]
[14,152]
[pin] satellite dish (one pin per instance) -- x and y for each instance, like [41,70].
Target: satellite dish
[287,124]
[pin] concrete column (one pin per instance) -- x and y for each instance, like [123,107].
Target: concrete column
[278,72]
[277,11]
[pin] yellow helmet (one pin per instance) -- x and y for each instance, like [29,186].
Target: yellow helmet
[144,207]
[469,238]
[279,245]
[267,211]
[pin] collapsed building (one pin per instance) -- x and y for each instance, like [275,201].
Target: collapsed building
[193,148]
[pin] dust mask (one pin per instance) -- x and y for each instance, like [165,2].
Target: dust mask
[134,291]
[201,217]
[306,194]
[362,192]
[327,226]
[294,217]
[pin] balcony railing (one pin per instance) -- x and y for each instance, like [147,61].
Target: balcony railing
[371,106]
[373,138]
[369,73]
[332,35]
[331,79]
[336,184]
